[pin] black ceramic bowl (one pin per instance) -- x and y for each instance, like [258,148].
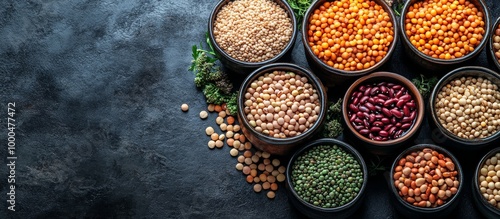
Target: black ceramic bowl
[436,64]
[313,211]
[410,211]
[335,77]
[243,67]
[491,48]
[265,142]
[391,145]
[482,204]
[443,136]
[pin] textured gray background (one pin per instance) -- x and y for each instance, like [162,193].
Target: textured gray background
[98,87]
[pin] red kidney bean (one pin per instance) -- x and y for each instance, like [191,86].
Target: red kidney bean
[370,106]
[406,110]
[371,136]
[398,133]
[387,127]
[358,127]
[374,91]
[378,123]
[397,113]
[411,105]
[367,91]
[413,115]
[390,84]
[379,116]
[385,120]
[363,99]
[383,83]
[375,129]
[406,126]
[378,108]
[383,89]
[396,87]
[353,108]
[386,112]
[357,120]
[366,123]
[390,102]
[364,131]
[378,138]
[401,103]
[380,101]
[371,100]
[392,130]
[391,93]
[406,119]
[393,120]
[359,94]
[363,109]
[355,101]
[382,96]
[405,97]
[383,133]
[353,117]
[398,124]
[360,115]
[362,88]
[372,118]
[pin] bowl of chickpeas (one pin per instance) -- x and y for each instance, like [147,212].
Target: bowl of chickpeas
[441,35]
[464,108]
[248,34]
[281,106]
[494,44]
[344,40]
[486,184]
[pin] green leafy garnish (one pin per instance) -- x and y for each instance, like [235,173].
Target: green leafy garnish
[425,84]
[333,126]
[299,8]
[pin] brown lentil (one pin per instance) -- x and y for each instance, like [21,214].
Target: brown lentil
[489,180]
[444,29]
[257,187]
[281,104]
[252,30]
[350,35]
[271,194]
[420,182]
[469,107]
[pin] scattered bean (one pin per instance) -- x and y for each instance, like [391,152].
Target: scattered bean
[233,152]
[184,107]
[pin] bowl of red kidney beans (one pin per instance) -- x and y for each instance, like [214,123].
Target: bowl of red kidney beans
[382,112]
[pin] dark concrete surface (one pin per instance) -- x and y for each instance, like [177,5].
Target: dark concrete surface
[99,131]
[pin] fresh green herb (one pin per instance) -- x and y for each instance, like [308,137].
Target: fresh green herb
[425,84]
[397,7]
[214,83]
[299,8]
[333,127]
[375,166]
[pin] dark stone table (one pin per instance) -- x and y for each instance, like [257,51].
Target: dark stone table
[97,87]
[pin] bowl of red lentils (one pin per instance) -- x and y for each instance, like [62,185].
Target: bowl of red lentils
[383,111]
[346,39]
[426,181]
[464,108]
[248,34]
[442,34]
[486,184]
[495,43]
[281,106]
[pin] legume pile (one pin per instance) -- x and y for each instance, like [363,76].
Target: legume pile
[444,29]
[496,43]
[489,180]
[259,168]
[469,107]
[382,111]
[350,35]
[327,176]
[252,30]
[281,104]
[426,178]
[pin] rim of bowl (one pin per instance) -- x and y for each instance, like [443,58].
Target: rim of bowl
[387,56]
[482,6]
[476,180]
[459,72]
[312,79]
[288,47]
[492,35]
[377,76]
[440,150]
[343,145]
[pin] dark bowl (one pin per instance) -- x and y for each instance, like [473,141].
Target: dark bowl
[411,211]
[243,67]
[435,64]
[389,146]
[332,76]
[446,138]
[484,207]
[280,146]
[313,211]
[491,52]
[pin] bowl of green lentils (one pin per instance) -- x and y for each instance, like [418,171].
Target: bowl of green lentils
[326,178]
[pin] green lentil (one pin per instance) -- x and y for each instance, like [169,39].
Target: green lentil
[327,176]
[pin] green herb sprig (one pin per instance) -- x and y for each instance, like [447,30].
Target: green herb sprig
[425,84]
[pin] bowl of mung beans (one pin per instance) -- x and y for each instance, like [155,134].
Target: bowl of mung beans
[248,34]
[326,178]
[494,45]
[426,181]
[486,184]
[383,111]
[346,39]
[281,106]
[464,108]
[443,34]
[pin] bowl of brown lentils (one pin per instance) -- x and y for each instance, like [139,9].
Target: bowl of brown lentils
[464,108]
[486,184]
[442,34]
[495,43]
[426,181]
[248,34]
[383,111]
[281,106]
[346,39]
